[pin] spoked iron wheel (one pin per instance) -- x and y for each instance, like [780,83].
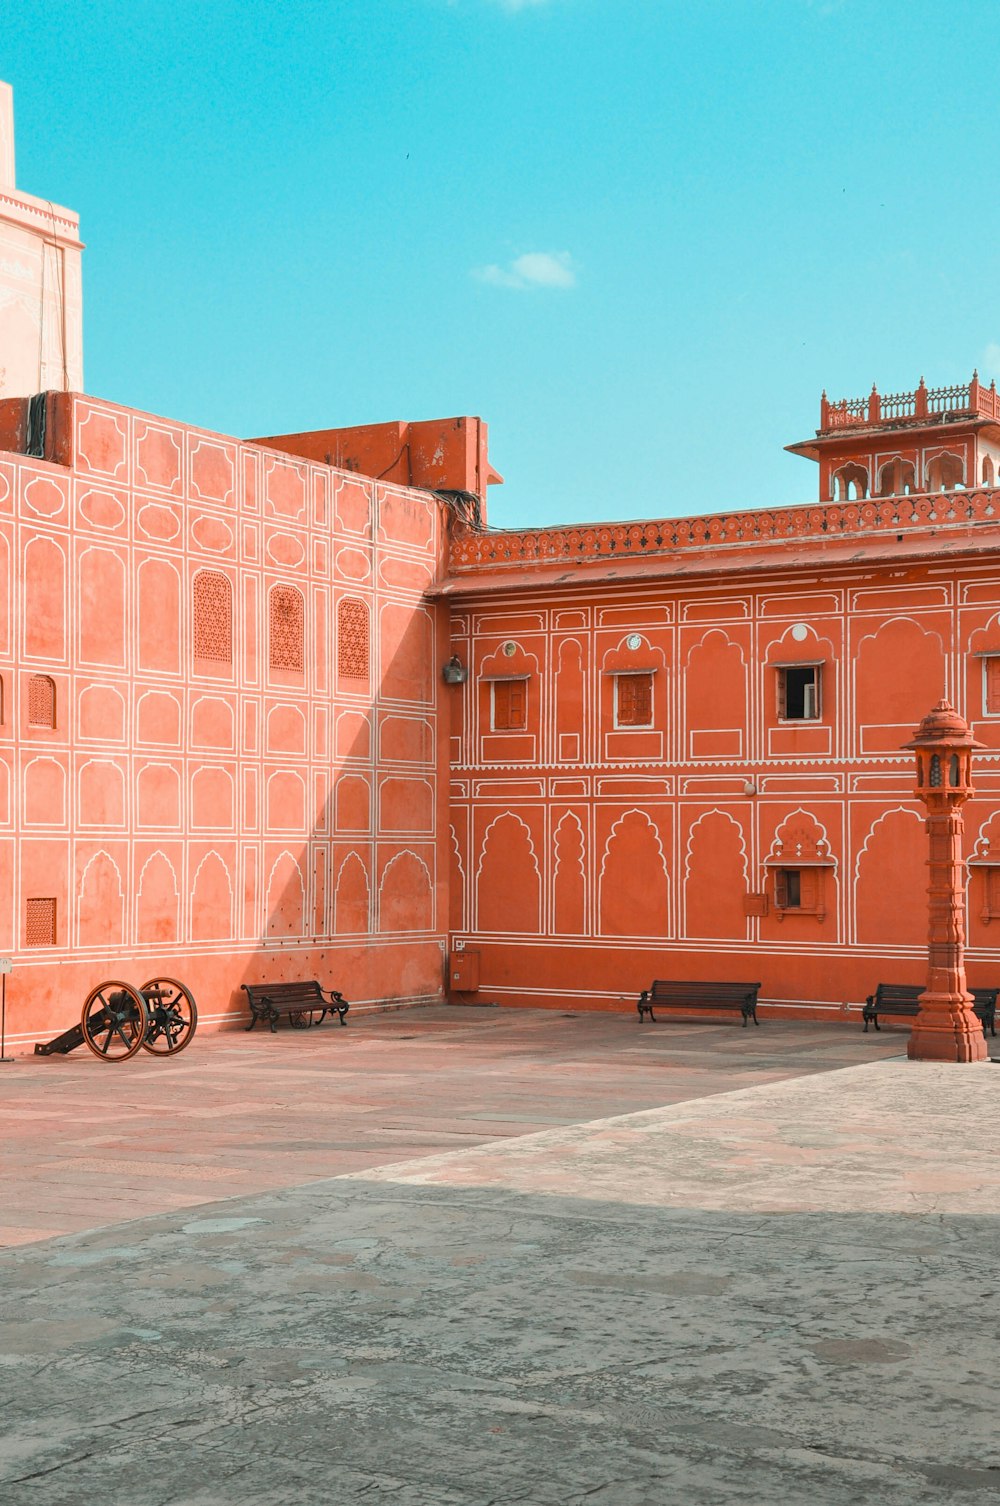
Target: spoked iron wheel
[114,1021]
[173,1016]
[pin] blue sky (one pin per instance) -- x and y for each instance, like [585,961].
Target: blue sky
[637,236]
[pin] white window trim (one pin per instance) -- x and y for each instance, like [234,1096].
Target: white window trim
[494,681]
[799,721]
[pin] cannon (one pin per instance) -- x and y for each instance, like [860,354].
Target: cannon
[118,1020]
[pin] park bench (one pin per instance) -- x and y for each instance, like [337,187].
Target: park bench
[300,1002]
[688,996]
[902,999]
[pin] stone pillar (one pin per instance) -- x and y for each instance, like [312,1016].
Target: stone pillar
[946,1029]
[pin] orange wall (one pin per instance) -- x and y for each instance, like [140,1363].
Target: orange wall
[588,860]
[215,821]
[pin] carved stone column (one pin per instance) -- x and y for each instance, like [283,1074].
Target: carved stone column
[946,1029]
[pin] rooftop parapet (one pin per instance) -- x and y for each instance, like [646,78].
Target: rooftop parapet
[923,405]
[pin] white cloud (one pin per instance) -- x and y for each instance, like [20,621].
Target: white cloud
[535,269]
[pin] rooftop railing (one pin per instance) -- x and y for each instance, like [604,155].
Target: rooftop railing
[474,549]
[923,403]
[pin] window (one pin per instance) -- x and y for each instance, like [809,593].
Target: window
[353,640]
[286,624]
[41,701]
[991,895]
[991,685]
[510,705]
[798,692]
[799,890]
[212,600]
[40,922]
[634,700]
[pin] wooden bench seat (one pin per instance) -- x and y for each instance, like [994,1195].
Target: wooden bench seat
[903,999]
[300,1002]
[691,996]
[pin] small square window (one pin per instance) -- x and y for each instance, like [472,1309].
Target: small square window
[798,693]
[634,700]
[510,705]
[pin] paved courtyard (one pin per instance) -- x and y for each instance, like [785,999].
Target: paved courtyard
[476,1256]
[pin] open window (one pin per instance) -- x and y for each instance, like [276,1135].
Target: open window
[799,692]
[850,483]
[634,699]
[509,705]
[799,891]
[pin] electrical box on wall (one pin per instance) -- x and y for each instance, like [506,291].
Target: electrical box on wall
[463,972]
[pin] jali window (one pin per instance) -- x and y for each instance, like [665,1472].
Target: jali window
[41,701]
[634,700]
[40,922]
[286,629]
[213,616]
[353,640]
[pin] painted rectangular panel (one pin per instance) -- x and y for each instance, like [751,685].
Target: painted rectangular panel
[885,739]
[799,741]
[724,743]
[633,745]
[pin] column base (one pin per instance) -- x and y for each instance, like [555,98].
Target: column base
[947,1030]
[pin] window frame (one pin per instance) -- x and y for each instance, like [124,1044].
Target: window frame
[633,674]
[781,691]
[987,658]
[811,885]
[508,680]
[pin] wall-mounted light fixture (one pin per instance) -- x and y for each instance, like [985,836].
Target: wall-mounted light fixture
[454,672]
[750,788]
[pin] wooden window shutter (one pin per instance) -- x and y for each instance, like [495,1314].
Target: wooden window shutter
[993,685]
[809,889]
[782,697]
[635,700]
[992,893]
[780,889]
[509,705]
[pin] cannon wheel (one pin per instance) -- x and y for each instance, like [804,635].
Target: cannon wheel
[114,1021]
[173,1016]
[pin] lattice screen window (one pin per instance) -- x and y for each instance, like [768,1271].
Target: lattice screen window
[40,922]
[286,627]
[41,701]
[991,685]
[213,616]
[510,705]
[353,640]
[634,700]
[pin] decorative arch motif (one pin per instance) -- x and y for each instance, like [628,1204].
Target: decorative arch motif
[890,880]
[100,909]
[286,629]
[406,894]
[212,616]
[801,840]
[508,878]
[211,900]
[569,877]
[286,898]
[633,886]
[157,903]
[716,877]
[352,905]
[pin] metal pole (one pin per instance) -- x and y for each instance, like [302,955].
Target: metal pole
[3,1018]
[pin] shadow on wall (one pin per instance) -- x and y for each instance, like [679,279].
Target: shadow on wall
[330,901]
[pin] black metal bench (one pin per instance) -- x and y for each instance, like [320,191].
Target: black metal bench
[903,999]
[686,996]
[300,1002]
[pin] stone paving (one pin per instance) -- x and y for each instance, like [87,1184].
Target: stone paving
[502,1257]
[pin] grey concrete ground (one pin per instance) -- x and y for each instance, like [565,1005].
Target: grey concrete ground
[780,1294]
